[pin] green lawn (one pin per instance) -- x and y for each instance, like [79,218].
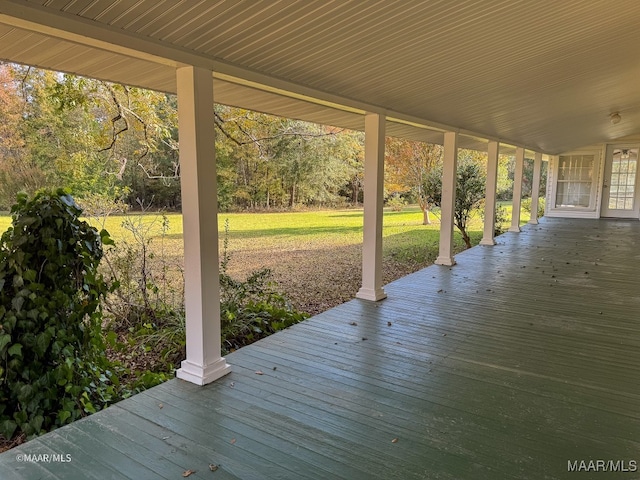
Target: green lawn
[250,231]
[315,256]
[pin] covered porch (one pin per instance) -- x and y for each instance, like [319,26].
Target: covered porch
[520,362]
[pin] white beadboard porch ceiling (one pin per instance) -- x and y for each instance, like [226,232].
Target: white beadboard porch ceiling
[543,74]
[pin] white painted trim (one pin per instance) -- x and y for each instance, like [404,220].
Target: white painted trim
[196,125]
[517,191]
[593,210]
[203,375]
[374,128]
[606,171]
[488,237]
[449,178]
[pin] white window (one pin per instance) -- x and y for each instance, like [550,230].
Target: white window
[576,175]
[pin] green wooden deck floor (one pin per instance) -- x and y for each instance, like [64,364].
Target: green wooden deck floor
[522,358]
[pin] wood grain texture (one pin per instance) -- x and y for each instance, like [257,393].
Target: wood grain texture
[519,359]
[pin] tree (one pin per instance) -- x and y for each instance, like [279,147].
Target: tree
[118,142]
[470,191]
[407,167]
[283,162]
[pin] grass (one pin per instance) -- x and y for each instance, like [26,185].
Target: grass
[315,256]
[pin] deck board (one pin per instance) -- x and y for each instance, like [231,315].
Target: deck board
[524,356]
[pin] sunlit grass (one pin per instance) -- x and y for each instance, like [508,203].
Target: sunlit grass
[402,231]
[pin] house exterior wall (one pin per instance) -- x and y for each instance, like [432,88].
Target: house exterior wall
[595,204]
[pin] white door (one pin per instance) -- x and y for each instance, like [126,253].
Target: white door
[620,189]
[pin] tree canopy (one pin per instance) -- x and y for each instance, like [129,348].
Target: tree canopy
[108,142]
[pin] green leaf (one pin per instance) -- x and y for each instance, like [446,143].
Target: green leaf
[63,415]
[7,428]
[106,238]
[30,275]
[36,423]
[5,339]
[15,350]
[16,303]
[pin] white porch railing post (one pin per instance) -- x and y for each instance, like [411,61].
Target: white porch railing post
[535,187]
[488,237]
[204,363]
[447,207]
[374,128]
[517,190]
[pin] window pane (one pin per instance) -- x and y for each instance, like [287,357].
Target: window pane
[623,178]
[575,177]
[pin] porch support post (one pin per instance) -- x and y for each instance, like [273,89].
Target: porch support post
[200,219]
[535,187]
[447,207]
[374,126]
[517,190]
[490,194]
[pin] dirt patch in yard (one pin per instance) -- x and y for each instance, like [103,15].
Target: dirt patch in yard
[315,280]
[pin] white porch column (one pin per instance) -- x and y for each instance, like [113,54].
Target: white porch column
[447,207]
[199,212]
[517,190]
[535,187]
[373,202]
[490,195]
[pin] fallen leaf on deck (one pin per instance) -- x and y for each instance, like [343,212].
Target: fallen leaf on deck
[355,324]
[259,372]
[233,441]
[388,324]
[160,405]
[188,472]
[213,467]
[395,440]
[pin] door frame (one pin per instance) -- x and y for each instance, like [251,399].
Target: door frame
[606,179]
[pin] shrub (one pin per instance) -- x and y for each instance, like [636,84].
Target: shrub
[396,203]
[52,366]
[147,309]
[502,218]
[526,205]
[470,188]
[251,309]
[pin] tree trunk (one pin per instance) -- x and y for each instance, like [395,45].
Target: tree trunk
[426,220]
[465,237]
[292,195]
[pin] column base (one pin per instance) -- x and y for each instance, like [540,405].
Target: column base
[373,295]
[446,261]
[515,229]
[487,241]
[533,221]
[202,375]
